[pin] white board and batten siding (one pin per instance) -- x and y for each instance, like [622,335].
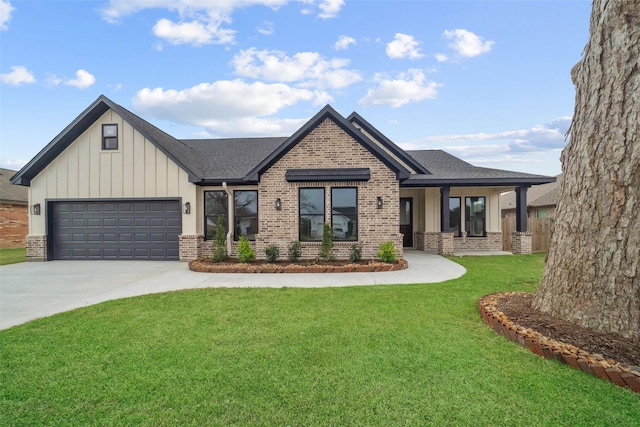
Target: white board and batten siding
[137,169]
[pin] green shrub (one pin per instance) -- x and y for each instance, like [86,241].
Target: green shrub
[272,252]
[245,251]
[387,252]
[219,252]
[326,248]
[355,254]
[295,251]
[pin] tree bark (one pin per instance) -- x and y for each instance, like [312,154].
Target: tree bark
[592,276]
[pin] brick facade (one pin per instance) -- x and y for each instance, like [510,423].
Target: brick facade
[14,225]
[190,246]
[446,244]
[328,146]
[36,247]
[491,242]
[522,243]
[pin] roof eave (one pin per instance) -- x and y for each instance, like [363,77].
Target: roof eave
[477,182]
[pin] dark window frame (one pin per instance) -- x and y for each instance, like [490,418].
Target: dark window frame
[236,233]
[468,217]
[206,216]
[107,139]
[349,232]
[300,214]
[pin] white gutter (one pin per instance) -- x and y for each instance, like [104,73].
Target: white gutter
[229,215]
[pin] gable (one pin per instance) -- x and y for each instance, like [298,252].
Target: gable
[321,122]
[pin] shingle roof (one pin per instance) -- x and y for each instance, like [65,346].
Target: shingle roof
[447,169]
[231,159]
[10,193]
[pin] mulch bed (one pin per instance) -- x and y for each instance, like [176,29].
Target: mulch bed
[203,265]
[607,356]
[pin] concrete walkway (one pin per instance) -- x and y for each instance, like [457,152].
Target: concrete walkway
[38,289]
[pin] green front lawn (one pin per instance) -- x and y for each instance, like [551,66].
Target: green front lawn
[382,355]
[12,255]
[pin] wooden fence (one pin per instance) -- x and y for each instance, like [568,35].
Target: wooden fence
[539,227]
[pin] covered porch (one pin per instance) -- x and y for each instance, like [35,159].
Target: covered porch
[448,219]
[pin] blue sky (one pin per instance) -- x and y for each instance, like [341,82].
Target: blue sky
[488,81]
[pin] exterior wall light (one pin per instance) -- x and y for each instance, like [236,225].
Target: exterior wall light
[35,209]
[379,202]
[186,208]
[278,204]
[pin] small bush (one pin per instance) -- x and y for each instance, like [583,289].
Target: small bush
[295,251]
[326,248]
[387,252]
[355,254]
[245,251]
[272,252]
[219,252]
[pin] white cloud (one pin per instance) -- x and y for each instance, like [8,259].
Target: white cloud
[267,28]
[539,138]
[18,75]
[441,57]
[467,44]
[202,22]
[12,164]
[226,107]
[195,33]
[83,80]
[330,8]
[411,86]
[403,46]
[307,69]
[5,14]
[344,42]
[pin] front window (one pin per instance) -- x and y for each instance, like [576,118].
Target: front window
[215,208]
[454,215]
[110,137]
[311,214]
[542,213]
[245,205]
[344,213]
[475,216]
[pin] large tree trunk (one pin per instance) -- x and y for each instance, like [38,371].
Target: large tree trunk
[592,275]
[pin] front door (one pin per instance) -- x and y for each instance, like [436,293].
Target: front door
[406,221]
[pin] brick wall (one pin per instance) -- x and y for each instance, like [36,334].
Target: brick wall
[190,246]
[521,243]
[427,241]
[36,247]
[14,225]
[328,146]
[492,242]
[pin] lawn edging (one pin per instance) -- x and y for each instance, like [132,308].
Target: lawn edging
[206,266]
[606,369]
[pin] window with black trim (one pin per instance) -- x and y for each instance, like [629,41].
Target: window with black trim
[245,205]
[311,220]
[455,215]
[215,207]
[475,224]
[344,213]
[110,137]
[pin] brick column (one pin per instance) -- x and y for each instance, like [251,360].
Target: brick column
[445,244]
[521,243]
[36,247]
[190,246]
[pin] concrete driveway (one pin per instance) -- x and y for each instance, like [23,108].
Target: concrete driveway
[38,289]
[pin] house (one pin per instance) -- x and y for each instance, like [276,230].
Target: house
[542,200]
[113,186]
[14,219]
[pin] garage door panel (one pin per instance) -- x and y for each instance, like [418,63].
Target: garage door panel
[116,230]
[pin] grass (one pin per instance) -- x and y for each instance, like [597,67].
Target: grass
[382,355]
[12,255]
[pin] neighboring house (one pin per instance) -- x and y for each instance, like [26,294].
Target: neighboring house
[113,186]
[14,218]
[542,200]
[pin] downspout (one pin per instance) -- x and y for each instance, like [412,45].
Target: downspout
[229,215]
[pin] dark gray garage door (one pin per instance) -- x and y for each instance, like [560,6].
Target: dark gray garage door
[131,229]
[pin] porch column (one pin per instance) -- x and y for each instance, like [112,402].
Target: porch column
[521,209]
[521,240]
[444,209]
[445,239]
